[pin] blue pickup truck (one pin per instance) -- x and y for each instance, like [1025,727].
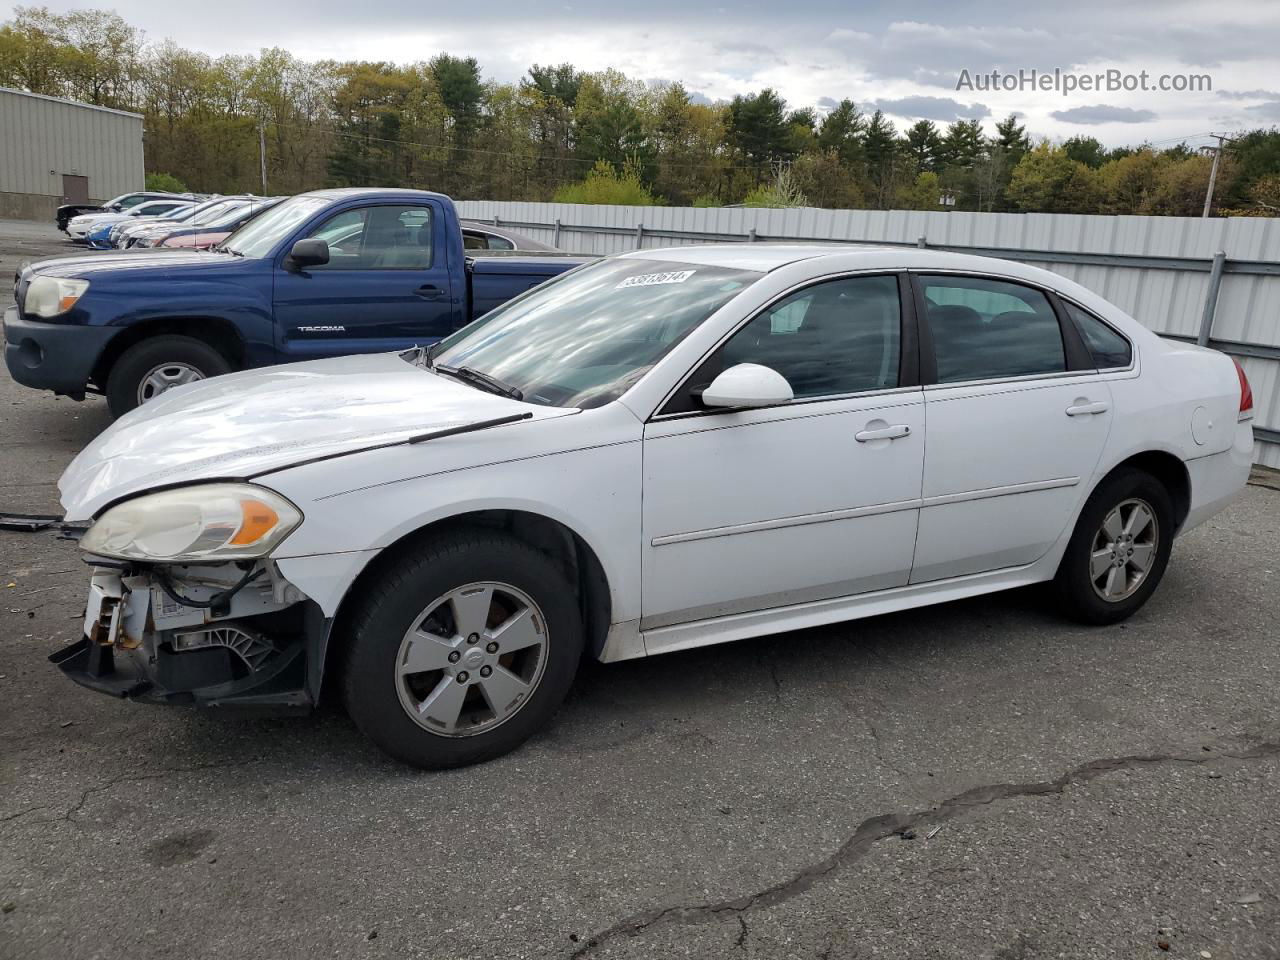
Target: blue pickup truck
[321,274]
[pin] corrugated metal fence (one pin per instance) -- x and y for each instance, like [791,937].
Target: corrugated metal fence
[1215,280]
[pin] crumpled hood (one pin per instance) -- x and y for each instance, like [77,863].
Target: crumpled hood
[243,424]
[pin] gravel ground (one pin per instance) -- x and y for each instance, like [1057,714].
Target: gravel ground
[975,780]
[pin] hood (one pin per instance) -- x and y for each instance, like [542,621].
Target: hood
[244,424]
[133,260]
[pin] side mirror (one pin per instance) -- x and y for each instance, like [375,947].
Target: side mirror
[308,253]
[748,385]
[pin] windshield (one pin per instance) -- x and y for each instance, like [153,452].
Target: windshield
[584,339]
[259,236]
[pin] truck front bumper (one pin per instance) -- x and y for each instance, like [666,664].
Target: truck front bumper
[141,644]
[53,356]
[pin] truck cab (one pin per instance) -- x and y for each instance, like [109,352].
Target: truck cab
[321,274]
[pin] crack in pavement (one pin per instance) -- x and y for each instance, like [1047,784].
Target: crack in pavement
[883,826]
[68,816]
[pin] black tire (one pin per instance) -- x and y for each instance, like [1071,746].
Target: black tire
[134,364]
[1073,585]
[389,608]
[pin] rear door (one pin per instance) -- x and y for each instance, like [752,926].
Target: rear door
[1016,419]
[387,284]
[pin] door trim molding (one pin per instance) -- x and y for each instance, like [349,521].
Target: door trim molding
[852,513]
[799,520]
[1002,491]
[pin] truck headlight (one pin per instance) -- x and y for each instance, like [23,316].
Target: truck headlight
[213,521]
[51,296]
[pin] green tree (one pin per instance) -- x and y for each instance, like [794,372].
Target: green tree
[758,130]
[1087,150]
[1046,180]
[923,145]
[1012,139]
[880,145]
[457,81]
[782,191]
[165,182]
[604,184]
[922,193]
[842,131]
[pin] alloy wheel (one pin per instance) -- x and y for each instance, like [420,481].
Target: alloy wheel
[1124,550]
[472,659]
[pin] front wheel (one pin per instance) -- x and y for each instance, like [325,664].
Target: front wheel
[157,365]
[1119,550]
[461,650]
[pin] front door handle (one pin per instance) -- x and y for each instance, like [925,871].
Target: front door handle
[429,291]
[1085,408]
[882,433]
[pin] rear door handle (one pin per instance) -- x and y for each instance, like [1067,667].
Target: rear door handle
[1084,408]
[429,291]
[882,433]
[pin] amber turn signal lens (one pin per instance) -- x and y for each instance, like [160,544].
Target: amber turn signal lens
[257,521]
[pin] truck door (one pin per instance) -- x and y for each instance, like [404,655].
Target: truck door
[387,284]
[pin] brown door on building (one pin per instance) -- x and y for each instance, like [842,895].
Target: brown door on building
[75,189]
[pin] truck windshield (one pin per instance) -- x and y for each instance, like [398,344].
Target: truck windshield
[584,339]
[259,236]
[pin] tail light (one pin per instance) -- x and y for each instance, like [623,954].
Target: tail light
[1246,392]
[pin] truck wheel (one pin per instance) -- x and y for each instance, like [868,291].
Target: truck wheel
[1118,551]
[462,650]
[149,368]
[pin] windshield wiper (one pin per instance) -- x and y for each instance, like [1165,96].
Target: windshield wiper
[483,381]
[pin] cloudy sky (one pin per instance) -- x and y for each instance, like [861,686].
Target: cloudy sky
[905,58]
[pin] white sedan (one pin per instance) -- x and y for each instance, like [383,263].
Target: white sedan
[657,451]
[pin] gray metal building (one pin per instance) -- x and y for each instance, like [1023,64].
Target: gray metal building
[56,151]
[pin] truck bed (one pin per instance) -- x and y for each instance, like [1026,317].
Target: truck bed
[497,277]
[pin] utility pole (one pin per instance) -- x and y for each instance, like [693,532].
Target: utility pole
[1213,171]
[261,155]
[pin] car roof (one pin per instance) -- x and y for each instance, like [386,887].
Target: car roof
[765,257]
[339,193]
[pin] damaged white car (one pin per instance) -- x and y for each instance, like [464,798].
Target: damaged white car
[657,451]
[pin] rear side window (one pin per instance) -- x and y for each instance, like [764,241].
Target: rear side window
[1109,349]
[991,329]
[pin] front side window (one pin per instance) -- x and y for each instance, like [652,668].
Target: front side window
[387,237]
[1108,348]
[584,339]
[991,329]
[838,337]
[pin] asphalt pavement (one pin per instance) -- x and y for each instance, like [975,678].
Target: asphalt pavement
[976,780]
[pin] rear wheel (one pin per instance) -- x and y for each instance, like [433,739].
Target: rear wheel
[157,365]
[462,651]
[1119,550]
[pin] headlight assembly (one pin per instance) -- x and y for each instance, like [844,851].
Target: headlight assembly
[51,296]
[214,521]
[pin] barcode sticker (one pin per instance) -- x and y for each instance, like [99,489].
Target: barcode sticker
[653,279]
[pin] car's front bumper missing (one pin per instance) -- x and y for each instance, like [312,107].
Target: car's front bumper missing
[257,651]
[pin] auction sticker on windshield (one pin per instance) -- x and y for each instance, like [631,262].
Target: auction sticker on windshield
[652,279]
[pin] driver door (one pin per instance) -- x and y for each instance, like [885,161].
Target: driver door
[387,285]
[745,510]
